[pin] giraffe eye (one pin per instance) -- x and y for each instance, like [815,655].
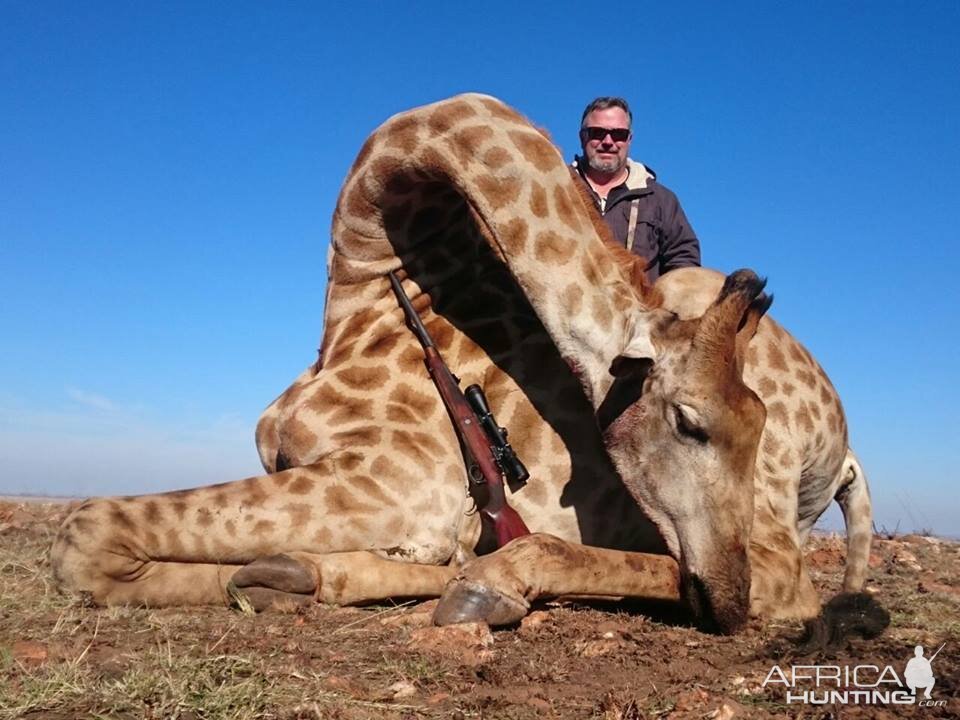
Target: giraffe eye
[688,423]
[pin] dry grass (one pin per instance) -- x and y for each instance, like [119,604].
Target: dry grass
[60,659]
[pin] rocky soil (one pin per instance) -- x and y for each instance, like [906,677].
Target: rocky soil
[59,659]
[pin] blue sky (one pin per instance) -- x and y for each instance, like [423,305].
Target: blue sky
[170,170]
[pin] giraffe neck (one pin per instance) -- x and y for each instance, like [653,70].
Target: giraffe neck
[471,162]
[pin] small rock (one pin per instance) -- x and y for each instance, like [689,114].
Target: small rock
[728,710]
[30,652]
[534,620]
[596,648]
[907,559]
[402,689]
[468,642]
[691,700]
[438,698]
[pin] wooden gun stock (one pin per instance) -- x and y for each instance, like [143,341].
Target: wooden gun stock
[486,476]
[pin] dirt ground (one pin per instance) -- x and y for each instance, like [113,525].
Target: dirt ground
[59,659]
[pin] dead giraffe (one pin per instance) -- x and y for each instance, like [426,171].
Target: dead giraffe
[502,260]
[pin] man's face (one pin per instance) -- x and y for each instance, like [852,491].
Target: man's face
[606,154]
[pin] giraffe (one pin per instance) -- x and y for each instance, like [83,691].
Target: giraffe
[364,492]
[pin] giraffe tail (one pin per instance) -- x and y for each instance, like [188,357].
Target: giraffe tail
[852,611]
[853,496]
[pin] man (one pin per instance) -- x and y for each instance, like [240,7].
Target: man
[645,216]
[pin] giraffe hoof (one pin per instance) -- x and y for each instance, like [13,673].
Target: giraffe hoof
[277,581]
[464,601]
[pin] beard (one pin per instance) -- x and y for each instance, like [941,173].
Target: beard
[606,166]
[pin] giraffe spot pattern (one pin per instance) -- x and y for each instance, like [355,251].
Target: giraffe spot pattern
[496,157]
[501,111]
[778,413]
[204,517]
[465,144]
[552,249]
[535,149]
[403,135]
[357,437]
[422,405]
[451,114]
[565,209]
[340,501]
[775,357]
[806,377]
[538,200]
[339,408]
[301,485]
[803,419]
[498,192]
[514,236]
[300,514]
[359,377]
[767,387]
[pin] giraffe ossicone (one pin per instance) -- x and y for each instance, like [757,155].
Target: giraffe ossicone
[680,444]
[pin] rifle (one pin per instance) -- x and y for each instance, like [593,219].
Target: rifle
[489,455]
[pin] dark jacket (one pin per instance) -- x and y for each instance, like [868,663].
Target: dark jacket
[663,235]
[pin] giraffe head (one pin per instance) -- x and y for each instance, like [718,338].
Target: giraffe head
[683,430]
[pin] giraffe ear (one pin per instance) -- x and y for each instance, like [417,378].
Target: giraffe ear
[638,355]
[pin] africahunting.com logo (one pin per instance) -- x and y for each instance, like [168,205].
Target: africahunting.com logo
[859,684]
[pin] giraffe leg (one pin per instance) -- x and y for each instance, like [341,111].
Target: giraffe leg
[183,548]
[349,578]
[499,588]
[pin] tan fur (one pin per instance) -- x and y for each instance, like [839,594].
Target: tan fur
[501,255]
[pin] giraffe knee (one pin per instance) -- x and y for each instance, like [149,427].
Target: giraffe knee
[85,558]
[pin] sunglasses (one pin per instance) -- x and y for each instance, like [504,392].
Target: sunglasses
[599,133]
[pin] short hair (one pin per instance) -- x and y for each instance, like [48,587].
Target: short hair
[602,103]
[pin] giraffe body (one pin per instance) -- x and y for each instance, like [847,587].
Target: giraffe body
[365,491]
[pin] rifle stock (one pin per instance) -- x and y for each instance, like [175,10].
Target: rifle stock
[486,476]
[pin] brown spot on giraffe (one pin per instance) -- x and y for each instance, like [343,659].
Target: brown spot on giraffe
[403,135]
[553,249]
[566,209]
[340,501]
[602,315]
[465,144]
[538,200]
[806,377]
[301,485]
[777,412]
[420,404]
[370,487]
[406,444]
[262,527]
[341,408]
[788,388]
[496,157]
[298,434]
[498,191]
[535,148]
[500,111]
[767,387]
[357,437]
[204,517]
[775,357]
[450,116]
[359,377]
[514,236]
[151,512]
[771,445]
